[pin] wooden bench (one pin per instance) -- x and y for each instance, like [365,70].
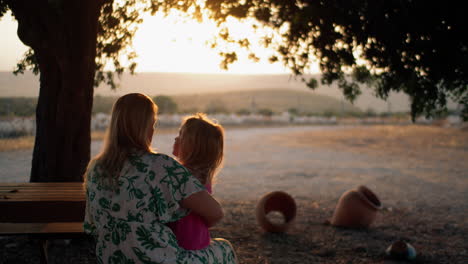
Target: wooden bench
[42,211]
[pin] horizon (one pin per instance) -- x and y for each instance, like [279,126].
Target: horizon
[157,83]
[190,73]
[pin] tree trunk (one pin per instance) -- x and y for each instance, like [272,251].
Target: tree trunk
[63,35]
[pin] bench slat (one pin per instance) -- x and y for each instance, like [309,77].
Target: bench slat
[42,202]
[42,211]
[51,197]
[41,191]
[41,228]
[41,184]
[40,199]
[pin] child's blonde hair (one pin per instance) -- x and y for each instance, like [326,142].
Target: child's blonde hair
[202,146]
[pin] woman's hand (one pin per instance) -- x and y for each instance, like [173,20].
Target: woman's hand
[203,204]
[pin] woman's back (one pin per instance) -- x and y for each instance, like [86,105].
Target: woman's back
[129,220]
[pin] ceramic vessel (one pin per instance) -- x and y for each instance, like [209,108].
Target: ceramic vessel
[401,250]
[280,202]
[356,208]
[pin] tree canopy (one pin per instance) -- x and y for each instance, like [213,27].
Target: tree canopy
[414,46]
[417,47]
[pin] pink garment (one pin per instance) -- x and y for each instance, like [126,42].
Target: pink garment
[191,231]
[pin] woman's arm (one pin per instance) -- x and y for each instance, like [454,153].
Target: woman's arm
[203,204]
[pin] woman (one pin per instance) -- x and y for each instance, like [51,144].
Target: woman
[132,193]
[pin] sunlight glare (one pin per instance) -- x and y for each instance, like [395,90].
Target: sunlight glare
[11,48]
[166,44]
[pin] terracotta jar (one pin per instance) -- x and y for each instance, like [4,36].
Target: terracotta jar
[356,208]
[276,201]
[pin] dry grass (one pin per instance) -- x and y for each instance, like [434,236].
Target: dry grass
[388,140]
[20,143]
[27,142]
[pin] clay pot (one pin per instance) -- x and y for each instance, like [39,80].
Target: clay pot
[401,250]
[356,208]
[276,201]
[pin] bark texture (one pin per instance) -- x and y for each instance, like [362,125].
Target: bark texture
[63,35]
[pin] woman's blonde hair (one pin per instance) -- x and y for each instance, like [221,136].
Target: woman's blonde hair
[130,129]
[201,146]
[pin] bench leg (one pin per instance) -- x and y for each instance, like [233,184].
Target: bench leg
[43,248]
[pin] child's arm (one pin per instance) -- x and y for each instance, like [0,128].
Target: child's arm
[203,204]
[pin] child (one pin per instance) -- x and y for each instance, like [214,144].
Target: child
[199,147]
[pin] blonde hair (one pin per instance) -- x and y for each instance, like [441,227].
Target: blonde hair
[201,146]
[130,129]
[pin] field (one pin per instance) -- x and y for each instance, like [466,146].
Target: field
[174,84]
[277,100]
[418,172]
[27,142]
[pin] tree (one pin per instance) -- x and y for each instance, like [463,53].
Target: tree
[63,35]
[71,42]
[166,105]
[418,47]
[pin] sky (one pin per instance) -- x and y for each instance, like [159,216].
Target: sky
[163,45]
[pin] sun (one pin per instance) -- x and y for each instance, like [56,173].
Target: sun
[167,44]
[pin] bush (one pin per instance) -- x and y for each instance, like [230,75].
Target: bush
[18,106]
[243,111]
[166,105]
[103,104]
[370,113]
[265,112]
[329,113]
[216,107]
[293,111]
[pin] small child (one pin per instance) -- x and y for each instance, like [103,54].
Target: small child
[199,147]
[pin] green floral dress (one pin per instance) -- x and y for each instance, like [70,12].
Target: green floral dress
[128,221]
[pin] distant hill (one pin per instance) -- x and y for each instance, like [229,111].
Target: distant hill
[277,100]
[27,85]
[248,101]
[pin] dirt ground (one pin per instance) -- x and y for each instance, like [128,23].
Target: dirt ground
[424,198]
[420,174]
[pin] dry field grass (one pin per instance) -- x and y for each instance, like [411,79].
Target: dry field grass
[12,144]
[409,141]
[27,142]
